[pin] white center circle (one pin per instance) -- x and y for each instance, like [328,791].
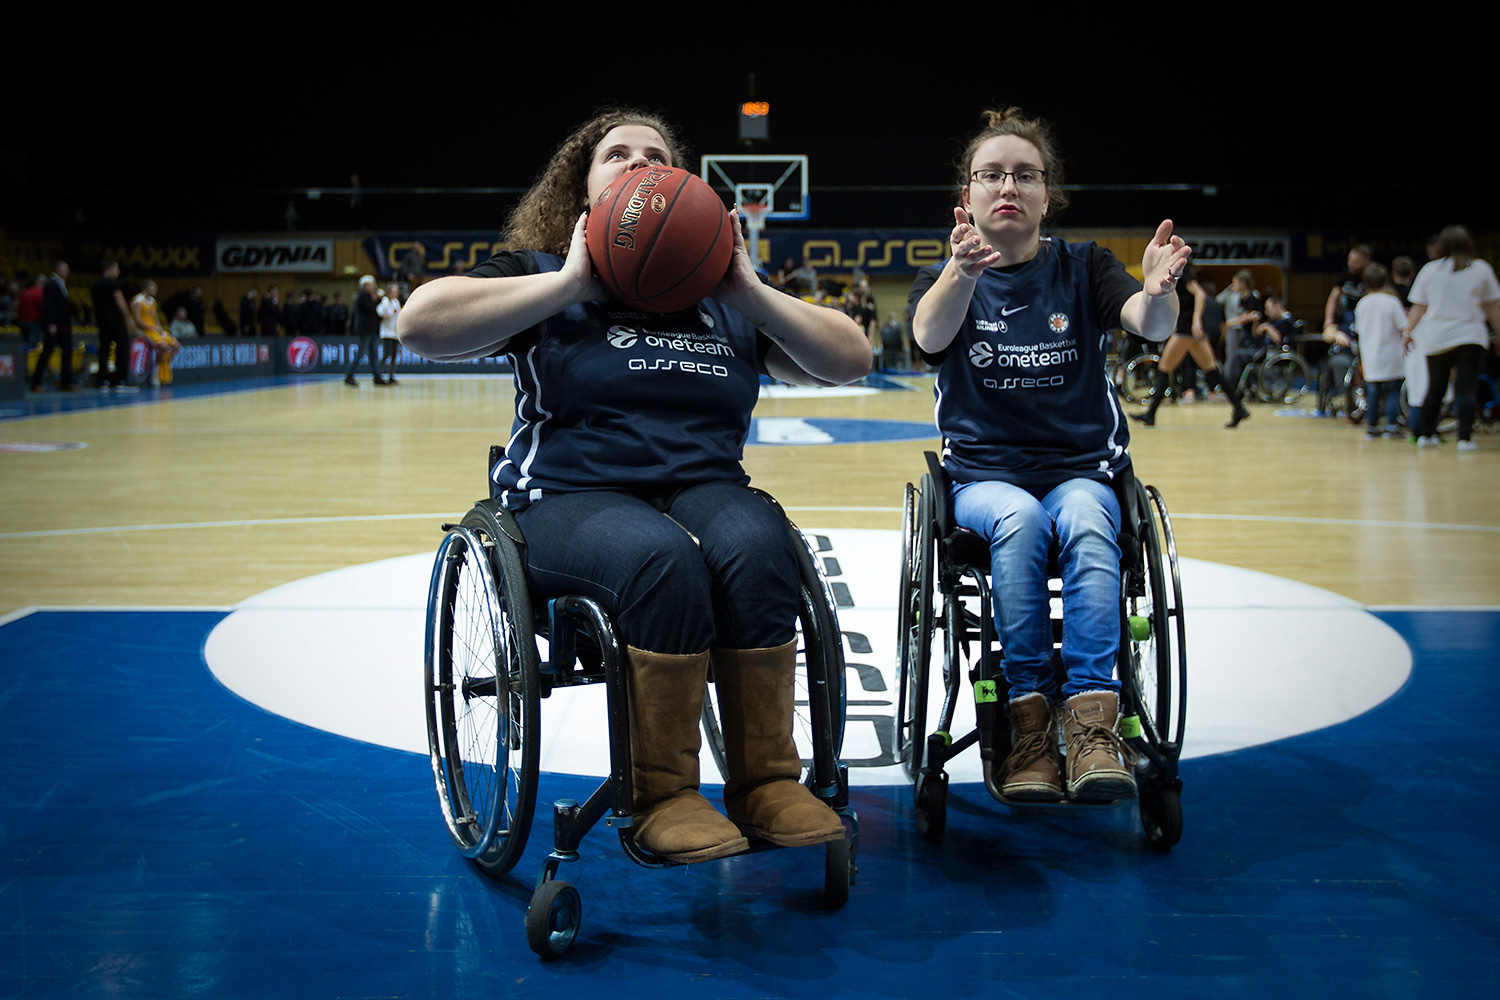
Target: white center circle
[1268,658]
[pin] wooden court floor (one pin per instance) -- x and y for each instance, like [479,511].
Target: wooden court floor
[206,500]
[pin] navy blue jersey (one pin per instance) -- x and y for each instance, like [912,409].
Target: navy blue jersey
[1022,393]
[611,398]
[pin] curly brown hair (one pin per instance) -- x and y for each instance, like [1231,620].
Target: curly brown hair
[1011,121]
[544,218]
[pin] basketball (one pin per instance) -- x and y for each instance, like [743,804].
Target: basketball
[660,239]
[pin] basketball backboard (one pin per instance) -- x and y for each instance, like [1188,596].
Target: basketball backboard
[778,181]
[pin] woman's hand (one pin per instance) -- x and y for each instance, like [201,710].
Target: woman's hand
[971,255]
[1165,259]
[741,283]
[578,267]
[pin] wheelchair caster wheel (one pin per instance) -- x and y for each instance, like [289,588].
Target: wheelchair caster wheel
[552,919]
[1161,815]
[932,806]
[838,873]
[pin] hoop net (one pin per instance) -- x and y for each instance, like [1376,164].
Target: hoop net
[754,214]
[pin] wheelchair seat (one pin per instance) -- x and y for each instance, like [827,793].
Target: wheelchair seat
[945,586]
[486,677]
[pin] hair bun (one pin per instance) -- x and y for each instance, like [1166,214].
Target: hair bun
[993,117]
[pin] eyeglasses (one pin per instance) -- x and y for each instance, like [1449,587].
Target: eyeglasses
[1027,178]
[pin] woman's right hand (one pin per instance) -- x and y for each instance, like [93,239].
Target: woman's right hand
[971,255]
[578,267]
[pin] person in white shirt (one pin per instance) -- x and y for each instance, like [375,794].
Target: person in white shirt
[1380,320]
[388,310]
[1450,301]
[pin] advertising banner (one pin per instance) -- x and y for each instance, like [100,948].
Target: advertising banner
[279,255]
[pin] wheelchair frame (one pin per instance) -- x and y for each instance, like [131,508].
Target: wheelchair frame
[942,561]
[1275,377]
[485,750]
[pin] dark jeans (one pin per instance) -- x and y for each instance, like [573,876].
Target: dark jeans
[1388,393]
[50,342]
[736,587]
[366,348]
[1465,359]
[1331,379]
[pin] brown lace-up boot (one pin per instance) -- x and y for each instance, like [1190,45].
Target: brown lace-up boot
[1099,762]
[1032,771]
[666,703]
[764,793]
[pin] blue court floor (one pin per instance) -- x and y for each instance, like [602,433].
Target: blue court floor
[160,837]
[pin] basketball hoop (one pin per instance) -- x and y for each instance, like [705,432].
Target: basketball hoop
[754,214]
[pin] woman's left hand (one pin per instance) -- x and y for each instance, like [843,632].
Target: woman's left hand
[741,283]
[1165,259]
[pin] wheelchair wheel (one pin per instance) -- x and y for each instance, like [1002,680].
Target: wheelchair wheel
[483,692]
[1156,632]
[1284,378]
[932,806]
[1137,380]
[820,649]
[1161,815]
[1354,393]
[838,873]
[915,621]
[1250,386]
[553,918]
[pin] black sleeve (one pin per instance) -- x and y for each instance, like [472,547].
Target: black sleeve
[1112,285]
[926,278]
[506,264]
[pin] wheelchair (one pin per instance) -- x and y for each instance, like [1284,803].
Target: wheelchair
[1275,375]
[1135,380]
[945,586]
[485,681]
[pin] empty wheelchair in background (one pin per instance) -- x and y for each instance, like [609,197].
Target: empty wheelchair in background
[1278,375]
[486,679]
[945,587]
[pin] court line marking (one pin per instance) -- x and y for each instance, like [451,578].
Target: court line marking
[32,609]
[457,515]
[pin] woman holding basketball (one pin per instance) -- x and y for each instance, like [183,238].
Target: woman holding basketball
[1034,437]
[624,473]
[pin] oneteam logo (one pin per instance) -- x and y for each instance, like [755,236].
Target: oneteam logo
[622,336]
[981,354]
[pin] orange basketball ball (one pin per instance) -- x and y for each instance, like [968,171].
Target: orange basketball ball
[659,238]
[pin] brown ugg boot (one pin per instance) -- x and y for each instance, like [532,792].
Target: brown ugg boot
[1099,762]
[764,793]
[666,703]
[1033,772]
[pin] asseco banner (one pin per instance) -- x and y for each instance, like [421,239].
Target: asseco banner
[280,256]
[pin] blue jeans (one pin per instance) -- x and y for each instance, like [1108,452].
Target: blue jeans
[737,586]
[1383,398]
[1083,518]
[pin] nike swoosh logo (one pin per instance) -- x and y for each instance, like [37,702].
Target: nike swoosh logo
[1007,312]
